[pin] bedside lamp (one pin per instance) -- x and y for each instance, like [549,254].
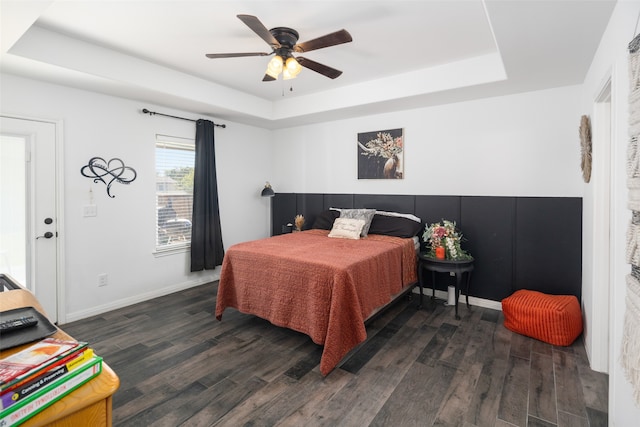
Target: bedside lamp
[267,191]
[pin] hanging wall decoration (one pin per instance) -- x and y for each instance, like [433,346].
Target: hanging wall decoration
[585,147]
[108,172]
[630,356]
[381,154]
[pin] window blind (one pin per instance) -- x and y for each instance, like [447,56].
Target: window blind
[175,159]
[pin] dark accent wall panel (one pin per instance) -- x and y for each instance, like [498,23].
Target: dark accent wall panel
[393,202]
[487,225]
[343,201]
[549,245]
[283,210]
[432,209]
[518,242]
[309,205]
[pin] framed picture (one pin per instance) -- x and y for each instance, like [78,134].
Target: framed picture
[381,154]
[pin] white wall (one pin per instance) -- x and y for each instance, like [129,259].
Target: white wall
[518,145]
[120,241]
[611,60]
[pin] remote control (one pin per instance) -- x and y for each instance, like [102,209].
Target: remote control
[16,324]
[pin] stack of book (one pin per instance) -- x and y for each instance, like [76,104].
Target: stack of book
[42,373]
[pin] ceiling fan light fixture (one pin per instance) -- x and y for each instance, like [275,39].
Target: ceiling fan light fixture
[287,75]
[275,65]
[293,66]
[271,73]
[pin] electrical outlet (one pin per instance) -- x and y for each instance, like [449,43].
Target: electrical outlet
[451,273]
[103,279]
[90,210]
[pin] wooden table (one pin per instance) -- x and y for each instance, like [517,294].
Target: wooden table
[88,405]
[457,267]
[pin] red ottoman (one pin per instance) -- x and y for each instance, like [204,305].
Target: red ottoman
[555,319]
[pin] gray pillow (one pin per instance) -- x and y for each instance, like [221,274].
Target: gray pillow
[365,214]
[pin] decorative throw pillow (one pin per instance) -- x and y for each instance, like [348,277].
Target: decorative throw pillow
[364,214]
[325,219]
[401,215]
[347,228]
[390,225]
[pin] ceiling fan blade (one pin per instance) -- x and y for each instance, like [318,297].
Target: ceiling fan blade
[332,39]
[325,70]
[267,78]
[235,55]
[258,28]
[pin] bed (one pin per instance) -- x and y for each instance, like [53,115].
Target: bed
[321,286]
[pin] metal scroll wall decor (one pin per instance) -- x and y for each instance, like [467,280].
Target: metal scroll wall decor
[108,172]
[630,357]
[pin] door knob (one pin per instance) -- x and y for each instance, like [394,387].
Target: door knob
[48,221]
[46,235]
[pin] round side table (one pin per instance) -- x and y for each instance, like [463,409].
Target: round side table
[435,265]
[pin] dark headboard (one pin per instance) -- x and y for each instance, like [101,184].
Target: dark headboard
[518,242]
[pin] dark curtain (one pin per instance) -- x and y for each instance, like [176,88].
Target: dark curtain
[206,236]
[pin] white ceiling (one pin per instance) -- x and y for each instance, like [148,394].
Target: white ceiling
[404,54]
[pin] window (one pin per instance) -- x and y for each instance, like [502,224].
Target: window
[175,160]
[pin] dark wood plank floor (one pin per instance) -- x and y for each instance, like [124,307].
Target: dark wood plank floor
[178,365]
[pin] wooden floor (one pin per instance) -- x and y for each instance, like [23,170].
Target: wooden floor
[178,365]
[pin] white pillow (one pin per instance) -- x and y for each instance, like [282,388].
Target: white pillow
[365,214]
[347,228]
[401,215]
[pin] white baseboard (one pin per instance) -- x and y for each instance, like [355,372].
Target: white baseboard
[479,302]
[125,302]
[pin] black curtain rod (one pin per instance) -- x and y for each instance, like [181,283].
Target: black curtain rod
[152,113]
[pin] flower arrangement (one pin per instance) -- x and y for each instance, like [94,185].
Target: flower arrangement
[383,145]
[444,235]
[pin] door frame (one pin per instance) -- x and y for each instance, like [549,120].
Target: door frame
[59,210]
[603,119]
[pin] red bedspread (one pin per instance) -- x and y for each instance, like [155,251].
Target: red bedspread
[320,286]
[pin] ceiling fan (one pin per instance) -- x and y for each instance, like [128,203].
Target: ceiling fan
[284,42]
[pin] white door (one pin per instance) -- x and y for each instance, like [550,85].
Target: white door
[28,213]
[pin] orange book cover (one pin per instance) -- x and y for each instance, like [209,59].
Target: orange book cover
[33,358]
[35,373]
[32,384]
